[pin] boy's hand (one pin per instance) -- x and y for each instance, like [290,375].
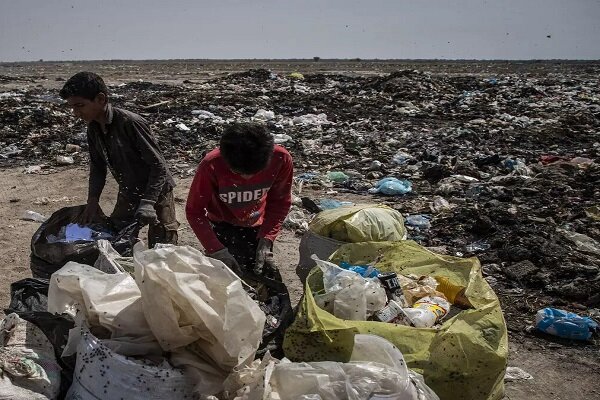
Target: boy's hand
[90,212]
[227,258]
[264,256]
[145,213]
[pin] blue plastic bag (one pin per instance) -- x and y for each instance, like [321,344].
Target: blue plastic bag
[392,186]
[565,324]
[366,271]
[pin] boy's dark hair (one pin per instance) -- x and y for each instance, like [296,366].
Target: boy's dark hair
[84,84]
[247,148]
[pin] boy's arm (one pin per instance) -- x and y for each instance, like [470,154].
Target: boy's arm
[201,192]
[279,200]
[149,152]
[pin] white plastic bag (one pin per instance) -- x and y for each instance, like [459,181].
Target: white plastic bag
[347,294]
[111,301]
[376,371]
[29,370]
[190,298]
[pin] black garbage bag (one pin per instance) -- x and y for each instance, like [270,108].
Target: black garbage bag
[46,258]
[273,298]
[29,300]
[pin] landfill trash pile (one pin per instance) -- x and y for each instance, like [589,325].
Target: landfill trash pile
[502,163]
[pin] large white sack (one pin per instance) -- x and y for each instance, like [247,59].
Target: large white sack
[191,299]
[111,301]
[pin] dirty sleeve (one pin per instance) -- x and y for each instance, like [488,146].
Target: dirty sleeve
[98,167]
[149,152]
[279,199]
[203,188]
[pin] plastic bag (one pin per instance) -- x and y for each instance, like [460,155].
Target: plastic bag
[465,358]
[392,187]
[110,301]
[29,367]
[347,294]
[360,223]
[29,300]
[47,258]
[29,294]
[376,371]
[100,373]
[189,298]
[565,324]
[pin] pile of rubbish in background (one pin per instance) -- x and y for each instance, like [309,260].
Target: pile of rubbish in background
[499,166]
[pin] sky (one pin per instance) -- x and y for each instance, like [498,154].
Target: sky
[385,29]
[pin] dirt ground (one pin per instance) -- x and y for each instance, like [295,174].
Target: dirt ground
[559,371]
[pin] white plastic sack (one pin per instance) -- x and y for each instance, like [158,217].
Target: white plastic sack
[189,298]
[111,301]
[101,373]
[347,294]
[376,371]
[29,370]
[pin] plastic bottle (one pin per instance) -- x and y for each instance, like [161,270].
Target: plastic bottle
[427,311]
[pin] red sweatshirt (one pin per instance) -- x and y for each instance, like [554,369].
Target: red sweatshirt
[217,194]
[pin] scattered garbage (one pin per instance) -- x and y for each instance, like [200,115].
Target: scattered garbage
[64,160]
[418,221]
[330,204]
[33,216]
[337,177]
[516,374]
[392,187]
[182,127]
[565,324]
[264,115]
[72,148]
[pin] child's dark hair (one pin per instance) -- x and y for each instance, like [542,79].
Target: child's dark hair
[84,84]
[247,148]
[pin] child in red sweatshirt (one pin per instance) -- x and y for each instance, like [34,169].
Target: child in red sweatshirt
[240,196]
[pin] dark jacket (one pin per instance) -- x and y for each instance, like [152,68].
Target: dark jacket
[130,150]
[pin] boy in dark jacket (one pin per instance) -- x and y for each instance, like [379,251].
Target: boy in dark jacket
[122,141]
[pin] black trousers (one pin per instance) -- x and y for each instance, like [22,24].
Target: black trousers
[240,241]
